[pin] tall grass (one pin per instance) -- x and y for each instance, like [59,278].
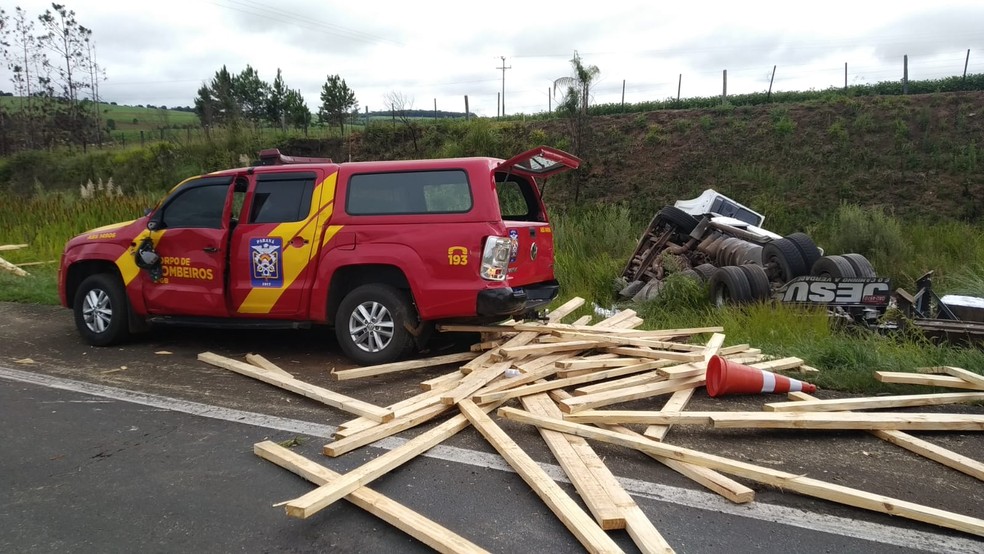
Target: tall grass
[45,222]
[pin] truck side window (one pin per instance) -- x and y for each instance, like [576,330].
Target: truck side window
[281,198]
[411,192]
[196,207]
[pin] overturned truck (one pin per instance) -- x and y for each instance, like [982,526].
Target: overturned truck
[717,241]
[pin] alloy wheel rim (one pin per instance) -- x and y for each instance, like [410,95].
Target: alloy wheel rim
[97,310]
[371,327]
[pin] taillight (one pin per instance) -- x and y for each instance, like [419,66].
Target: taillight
[495,258]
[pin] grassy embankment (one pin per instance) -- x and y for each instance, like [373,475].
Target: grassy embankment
[592,247]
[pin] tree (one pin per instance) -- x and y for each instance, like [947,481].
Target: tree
[401,104]
[276,104]
[573,104]
[337,100]
[69,41]
[205,108]
[250,93]
[297,112]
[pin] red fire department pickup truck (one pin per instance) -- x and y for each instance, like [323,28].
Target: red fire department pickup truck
[379,250]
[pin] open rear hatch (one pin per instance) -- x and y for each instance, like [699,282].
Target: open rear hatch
[531,259]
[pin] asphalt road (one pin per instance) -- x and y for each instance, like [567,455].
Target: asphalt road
[158,457]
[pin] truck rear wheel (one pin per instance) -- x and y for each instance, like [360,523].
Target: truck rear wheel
[728,286]
[785,256]
[371,325]
[834,267]
[101,310]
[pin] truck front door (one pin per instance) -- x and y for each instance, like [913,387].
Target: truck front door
[191,231]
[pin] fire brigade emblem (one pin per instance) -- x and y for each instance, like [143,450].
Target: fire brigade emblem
[267,266]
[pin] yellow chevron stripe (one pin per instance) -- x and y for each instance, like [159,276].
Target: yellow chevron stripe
[127,262]
[295,260]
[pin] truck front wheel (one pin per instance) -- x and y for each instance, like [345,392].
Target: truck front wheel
[101,310]
[371,325]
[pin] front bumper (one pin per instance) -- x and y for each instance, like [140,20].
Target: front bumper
[512,301]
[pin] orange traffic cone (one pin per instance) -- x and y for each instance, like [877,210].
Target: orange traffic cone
[724,377]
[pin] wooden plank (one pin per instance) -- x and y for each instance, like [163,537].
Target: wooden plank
[781,364]
[644,534]
[679,399]
[968,376]
[712,480]
[617,339]
[781,479]
[601,504]
[394,367]
[596,363]
[924,448]
[512,352]
[565,309]
[904,378]
[875,402]
[640,352]
[413,403]
[623,383]
[486,345]
[323,395]
[583,320]
[383,430]
[441,380]
[263,363]
[410,522]
[472,382]
[7,247]
[790,420]
[648,390]
[567,511]
[561,383]
[7,266]
[309,504]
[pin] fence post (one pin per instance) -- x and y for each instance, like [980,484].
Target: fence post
[498,105]
[905,74]
[768,97]
[679,84]
[724,92]
[966,61]
[549,101]
[845,76]
[623,95]
[467,115]
[435,108]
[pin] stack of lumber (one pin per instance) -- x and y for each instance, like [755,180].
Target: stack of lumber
[564,376]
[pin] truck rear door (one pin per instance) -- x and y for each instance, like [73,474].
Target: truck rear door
[273,245]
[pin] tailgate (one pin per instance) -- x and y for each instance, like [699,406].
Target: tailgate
[532,257]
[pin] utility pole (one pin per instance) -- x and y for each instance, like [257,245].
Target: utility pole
[503,68]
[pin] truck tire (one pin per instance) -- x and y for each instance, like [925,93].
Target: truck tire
[683,222]
[786,257]
[728,286]
[807,248]
[862,267]
[834,267]
[706,271]
[371,324]
[101,310]
[758,282]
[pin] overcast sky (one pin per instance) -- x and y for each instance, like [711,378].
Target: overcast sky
[160,52]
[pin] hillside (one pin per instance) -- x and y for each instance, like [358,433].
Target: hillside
[916,155]
[913,155]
